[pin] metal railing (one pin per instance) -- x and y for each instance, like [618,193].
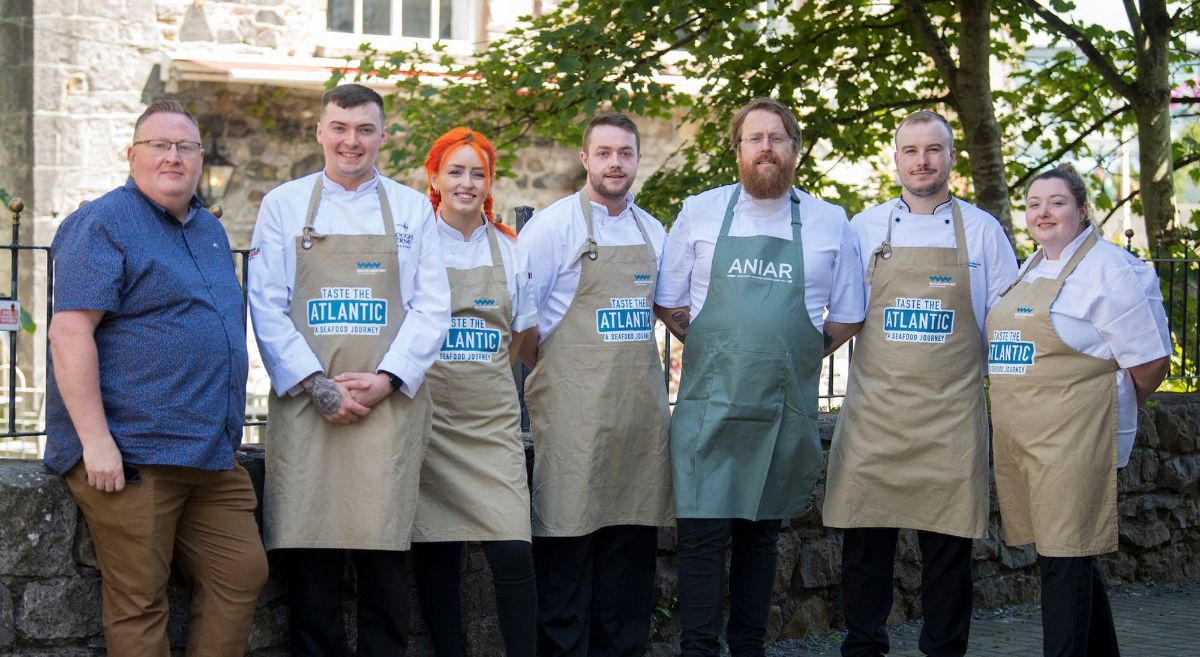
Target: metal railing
[1180,278]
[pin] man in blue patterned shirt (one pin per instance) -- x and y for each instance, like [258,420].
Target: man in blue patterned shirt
[146,396]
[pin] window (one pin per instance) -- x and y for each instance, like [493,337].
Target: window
[419,19]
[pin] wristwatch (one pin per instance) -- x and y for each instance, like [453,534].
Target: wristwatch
[394,381]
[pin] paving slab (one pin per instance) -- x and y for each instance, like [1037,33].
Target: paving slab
[1159,621]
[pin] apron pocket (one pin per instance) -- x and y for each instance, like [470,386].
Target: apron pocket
[746,385]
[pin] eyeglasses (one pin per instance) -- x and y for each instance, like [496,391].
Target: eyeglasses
[772,139]
[162,147]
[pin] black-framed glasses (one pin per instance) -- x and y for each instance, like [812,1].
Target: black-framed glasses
[162,147]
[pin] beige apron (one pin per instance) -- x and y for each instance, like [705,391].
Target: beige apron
[473,482]
[597,401]
[1054,413]
[345,485]
[910,449]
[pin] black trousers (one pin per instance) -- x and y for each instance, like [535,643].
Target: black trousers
[868,556]
[752,564]
[436,570]
[314,580]
[596,592]
[1076,618]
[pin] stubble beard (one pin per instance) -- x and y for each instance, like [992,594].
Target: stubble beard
[934,188]
[770,184]
[598,185]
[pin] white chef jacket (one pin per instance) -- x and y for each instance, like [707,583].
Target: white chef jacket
[1110,307]
[990,256]
[553,238]
[832,277]
[459,253]
[272,273]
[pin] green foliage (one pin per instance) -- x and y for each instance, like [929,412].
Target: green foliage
[27,323]
[850,69]
[4,197]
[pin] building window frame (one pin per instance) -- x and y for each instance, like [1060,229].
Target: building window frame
[466,25]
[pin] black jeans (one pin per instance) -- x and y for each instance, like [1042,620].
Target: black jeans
[1076,618]
[868,556]
[436,570]
[596,592]
[315,592]
[753,558]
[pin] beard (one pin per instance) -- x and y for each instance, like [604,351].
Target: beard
[609,189]
[936,186]
[772,183]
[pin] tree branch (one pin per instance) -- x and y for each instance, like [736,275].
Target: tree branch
[1177,164]
[1179,12]
[1067,148]
[1135,23]
[898,104]
[934,46]
[1097,58]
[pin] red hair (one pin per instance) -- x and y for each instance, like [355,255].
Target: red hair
[447,144]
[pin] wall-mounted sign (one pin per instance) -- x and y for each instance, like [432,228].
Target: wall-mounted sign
[10,315]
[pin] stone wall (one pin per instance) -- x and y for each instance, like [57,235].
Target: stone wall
[16,94]
[49,585]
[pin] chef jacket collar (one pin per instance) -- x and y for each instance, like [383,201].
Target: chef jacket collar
[368,186]
[943,207]
[598,209]
[450,231]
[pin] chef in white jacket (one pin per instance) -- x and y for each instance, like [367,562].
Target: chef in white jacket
[350,304]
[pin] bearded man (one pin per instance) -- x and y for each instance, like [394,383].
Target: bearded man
[760,280]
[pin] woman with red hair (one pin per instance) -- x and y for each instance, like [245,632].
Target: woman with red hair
[473,479]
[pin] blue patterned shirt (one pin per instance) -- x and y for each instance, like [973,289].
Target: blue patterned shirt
[171,343]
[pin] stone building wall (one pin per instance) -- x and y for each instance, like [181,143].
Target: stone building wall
[16,94]
[76,74]
[50,595]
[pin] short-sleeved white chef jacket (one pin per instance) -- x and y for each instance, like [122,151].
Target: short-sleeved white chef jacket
[272,273]
[832,276]
[459,253]
[1110,307]
[552,239]
[990,256]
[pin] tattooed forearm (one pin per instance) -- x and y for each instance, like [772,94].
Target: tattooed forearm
[325,395]
[681,318]
[678,325]
[828,341]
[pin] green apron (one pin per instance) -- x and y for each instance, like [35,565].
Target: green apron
[744,441]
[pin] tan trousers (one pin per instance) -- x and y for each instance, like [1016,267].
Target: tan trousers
[205,521]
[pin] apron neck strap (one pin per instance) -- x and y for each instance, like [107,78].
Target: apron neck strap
[1067,269]
[314,202]
[590,245]
[794,206]
[960,232]
[493,243]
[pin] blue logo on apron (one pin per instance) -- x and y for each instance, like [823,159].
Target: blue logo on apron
[918,320]
[1009,354]
[346,311]
[470,339]
[626,320]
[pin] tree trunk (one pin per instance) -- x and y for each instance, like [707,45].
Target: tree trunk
[970,85]
[1152,107]
[973,96]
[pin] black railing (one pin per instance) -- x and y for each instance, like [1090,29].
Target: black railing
[1180,278]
